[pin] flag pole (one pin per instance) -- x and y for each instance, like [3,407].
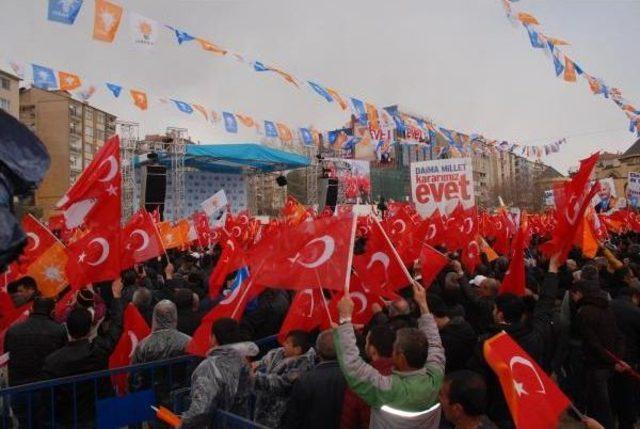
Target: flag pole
[155,228]
[395,252]
[347,279]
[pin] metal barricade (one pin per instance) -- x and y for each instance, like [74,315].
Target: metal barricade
[70,402]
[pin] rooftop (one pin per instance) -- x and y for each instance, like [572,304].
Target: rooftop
[634,150]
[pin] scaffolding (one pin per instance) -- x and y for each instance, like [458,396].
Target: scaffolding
[173,144]
[129,137]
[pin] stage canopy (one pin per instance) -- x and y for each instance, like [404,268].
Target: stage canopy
[238,158]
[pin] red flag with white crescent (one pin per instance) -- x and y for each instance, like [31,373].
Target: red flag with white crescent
[134,330]
[533,398]
[94,258]
[140,241]
[95,198]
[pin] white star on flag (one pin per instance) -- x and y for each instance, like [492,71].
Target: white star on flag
[140,97]
[70,80]
[43,75]
[112,190]
[519,388]
[169,238]
[81,257]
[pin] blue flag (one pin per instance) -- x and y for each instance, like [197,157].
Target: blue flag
[258,66]
[183,107]
[307,138]
[182,36]
[393,112]
[359,109]
[115,89]
[321,91]
[332,135]
[447,135]
[558,65]
[64,11]
[270,129]
[44,77]
[534,38]
[578,68]
[230,123]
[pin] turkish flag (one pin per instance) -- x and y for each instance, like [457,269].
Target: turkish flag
[134,330]
[95,198]
[39,238]
[436,229]
[203,230]
[432,263]
[94,258]
[533,398]
[313,254]
[398,226]
[470,254]
[514,278]
[572,199]
[502,232]
[363,299]
[243,290]
[140,241]
[308,310]
[379,267]
[231,257]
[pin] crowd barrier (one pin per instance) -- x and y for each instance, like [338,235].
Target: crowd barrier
[90,400]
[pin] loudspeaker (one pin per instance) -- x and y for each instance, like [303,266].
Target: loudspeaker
[332,193]
[154,188]
[281,181]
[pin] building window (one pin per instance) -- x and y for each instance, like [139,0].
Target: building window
[5,104]
[5,83]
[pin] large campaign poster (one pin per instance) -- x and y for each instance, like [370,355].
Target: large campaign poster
[354,179]
[441,184]
[606,199]
[633,189]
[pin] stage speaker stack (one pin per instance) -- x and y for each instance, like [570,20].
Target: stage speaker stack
[328,193]
[154,188]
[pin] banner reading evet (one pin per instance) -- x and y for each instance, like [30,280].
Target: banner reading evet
[440,184]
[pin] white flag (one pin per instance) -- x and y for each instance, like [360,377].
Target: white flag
[144,31]
[216,207]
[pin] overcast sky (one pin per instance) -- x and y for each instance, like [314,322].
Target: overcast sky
[457,61]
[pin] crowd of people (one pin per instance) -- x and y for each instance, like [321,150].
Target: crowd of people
[418,362]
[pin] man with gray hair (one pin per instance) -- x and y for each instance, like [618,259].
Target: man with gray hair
[317,397]
[165,340]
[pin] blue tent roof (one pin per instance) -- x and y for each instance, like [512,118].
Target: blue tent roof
[239,158]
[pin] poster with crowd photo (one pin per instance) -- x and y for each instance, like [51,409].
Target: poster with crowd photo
[441,184]
[633,189]
[354,179]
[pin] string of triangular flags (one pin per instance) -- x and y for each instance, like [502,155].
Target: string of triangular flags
[145,32]
[568,68]
[48,78]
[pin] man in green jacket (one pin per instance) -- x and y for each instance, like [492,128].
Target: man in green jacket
[408,398]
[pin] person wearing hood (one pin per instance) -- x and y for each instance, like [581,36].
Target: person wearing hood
[276,373]
[595,324]
[165,341]
[223,380]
